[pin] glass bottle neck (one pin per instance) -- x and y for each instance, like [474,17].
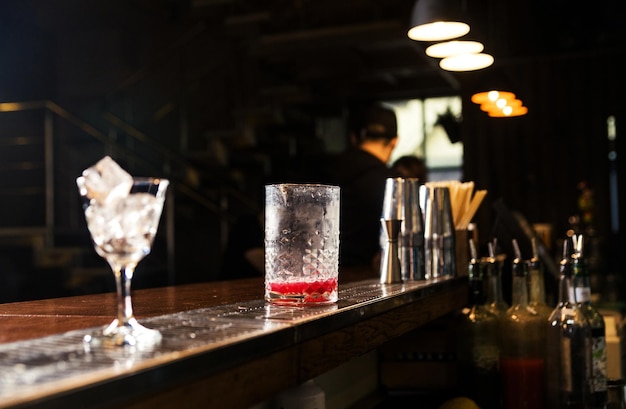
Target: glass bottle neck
[519,294]
[537,289]
[582,283]
[476,286]
[567,293]
[494,290]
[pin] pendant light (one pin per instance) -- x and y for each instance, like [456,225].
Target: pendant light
[508,112]
[454,47]
[493,95]
[499,104]
[441,20]
[438,20]
[466,62]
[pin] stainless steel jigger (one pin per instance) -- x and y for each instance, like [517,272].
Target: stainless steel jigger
[390,262]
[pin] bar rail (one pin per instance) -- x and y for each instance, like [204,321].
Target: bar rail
[223,346]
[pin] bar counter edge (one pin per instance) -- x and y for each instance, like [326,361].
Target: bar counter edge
[245,371]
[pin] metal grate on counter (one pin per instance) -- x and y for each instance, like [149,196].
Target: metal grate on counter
[42,367]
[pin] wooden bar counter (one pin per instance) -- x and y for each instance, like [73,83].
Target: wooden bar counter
[222,345]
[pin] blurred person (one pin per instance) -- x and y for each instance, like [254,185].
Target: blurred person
[410,166]
[361,173]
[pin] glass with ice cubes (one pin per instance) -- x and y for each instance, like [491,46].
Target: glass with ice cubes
[301,244]
[122,214]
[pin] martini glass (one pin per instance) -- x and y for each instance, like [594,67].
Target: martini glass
[122,232]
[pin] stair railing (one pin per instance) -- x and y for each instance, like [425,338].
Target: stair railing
[52,110]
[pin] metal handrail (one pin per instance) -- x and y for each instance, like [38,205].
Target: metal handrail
[180,186]
[136,134]
[50,109]
[48,160]
[167,53]
[174,157]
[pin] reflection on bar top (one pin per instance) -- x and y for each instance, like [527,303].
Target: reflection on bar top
[40,367]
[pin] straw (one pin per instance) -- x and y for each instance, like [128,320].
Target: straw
[472,209]
[463,201]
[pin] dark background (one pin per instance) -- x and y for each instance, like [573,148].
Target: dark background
[233,90]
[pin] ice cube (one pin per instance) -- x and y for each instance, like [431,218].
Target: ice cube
[105,182]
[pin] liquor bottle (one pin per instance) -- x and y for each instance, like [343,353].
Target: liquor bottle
[493,272]
[536,285]
[598,392]
[568,345]
[478,352]
[522,346]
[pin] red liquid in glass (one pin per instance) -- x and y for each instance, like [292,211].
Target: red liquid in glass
[522,381]
[304,291]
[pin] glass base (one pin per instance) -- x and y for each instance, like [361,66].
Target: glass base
[130,334]
[299,299]
[318,292]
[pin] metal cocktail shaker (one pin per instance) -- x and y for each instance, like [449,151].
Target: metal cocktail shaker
[411,240]
[439,233]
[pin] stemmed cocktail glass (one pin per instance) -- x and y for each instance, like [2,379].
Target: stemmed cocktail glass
[122,229]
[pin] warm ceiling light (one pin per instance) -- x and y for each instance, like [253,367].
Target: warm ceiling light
[491,96]
[449,48]
[438,20]
[438,31]
[466,62]
[509,112]
[500,104]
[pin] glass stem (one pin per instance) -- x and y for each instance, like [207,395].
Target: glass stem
[123,277]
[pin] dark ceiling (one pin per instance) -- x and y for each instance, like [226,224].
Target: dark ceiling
[315,51]
[359,48]
[326,48]
[229,60]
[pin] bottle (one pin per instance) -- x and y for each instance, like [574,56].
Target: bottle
[522,345]
[598,389]
[478,352]
[568,345]
[493,272]
[537,292]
